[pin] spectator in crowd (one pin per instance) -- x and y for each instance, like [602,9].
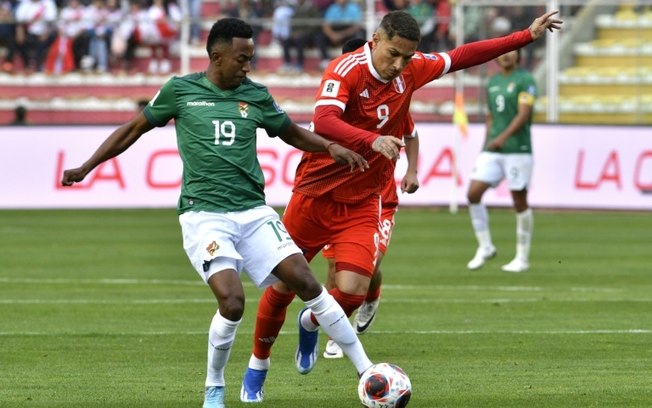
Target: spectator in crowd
[424,13]
[393,5]
[281,22]
[20,116]
[117,10]
[443,16]
[519,17]
[123,40]
[194,12]
[71,43]
[159,28]
[155,26]
[35,31]
[322,5]
[305,26]
[342,22]
[473,26]
[251,11]
[7,33]
[99,30]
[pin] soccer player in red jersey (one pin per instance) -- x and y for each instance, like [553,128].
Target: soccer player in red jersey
[362,103]
[389,205]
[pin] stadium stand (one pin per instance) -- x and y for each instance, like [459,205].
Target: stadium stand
[611,78]
[608,81]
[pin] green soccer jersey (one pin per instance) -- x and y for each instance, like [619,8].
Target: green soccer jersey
[504,94]
[216,137]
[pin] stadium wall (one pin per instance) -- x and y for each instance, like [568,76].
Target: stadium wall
[578,167]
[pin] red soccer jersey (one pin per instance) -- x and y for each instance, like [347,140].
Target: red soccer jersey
[389,194]
[371,105]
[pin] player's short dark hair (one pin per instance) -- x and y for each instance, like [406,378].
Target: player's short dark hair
[352,45]
[225,29]
[402,24]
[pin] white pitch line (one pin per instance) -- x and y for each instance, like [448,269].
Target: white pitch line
[197,282]
[255,300]
[50,281]
[377,332]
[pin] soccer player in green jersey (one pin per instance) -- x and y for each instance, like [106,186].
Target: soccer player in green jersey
[227,227]
[507,154]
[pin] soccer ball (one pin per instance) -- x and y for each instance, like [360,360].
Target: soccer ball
[384,385]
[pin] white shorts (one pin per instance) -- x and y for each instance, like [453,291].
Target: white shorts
[492,168]
[253,240]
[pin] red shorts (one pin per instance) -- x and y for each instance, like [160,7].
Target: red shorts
[353,228]
[385,227]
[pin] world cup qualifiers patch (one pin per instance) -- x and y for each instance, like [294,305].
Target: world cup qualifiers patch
[331,88]
[278,107]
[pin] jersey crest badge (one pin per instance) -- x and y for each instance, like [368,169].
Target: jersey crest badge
[431,57]
[212,247]
[510,87]
[243,108]
[331,88]
[399,84]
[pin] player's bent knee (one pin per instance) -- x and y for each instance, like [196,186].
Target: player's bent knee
[232,308]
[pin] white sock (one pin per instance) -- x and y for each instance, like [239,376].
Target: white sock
[524,227]
[333,320]
[258,364]
[480,223]
[220,340]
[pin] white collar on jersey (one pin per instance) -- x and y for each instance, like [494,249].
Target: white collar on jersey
[367,51]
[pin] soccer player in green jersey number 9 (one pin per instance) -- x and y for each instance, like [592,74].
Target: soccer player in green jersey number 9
[507,154]
[227,227]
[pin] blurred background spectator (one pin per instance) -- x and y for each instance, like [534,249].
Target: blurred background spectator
[194,13]
[305,26]
[252,11]
[343,21]
[281,22]
[20,116]
[71,42]
[99,29]
[7,34]
[35,31]
[424,13]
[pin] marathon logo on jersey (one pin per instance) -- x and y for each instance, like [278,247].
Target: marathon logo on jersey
[331,88]
[399,84]
[200,103]
[243,108]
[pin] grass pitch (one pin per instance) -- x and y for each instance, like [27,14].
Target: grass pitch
[102,309]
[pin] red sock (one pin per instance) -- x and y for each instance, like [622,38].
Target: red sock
[347,301]
[373,295]
[272,308]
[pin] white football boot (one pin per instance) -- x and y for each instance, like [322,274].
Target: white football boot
[517,265]
[482,255]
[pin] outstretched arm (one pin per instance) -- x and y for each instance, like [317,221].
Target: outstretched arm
[479,52]
[116,143]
